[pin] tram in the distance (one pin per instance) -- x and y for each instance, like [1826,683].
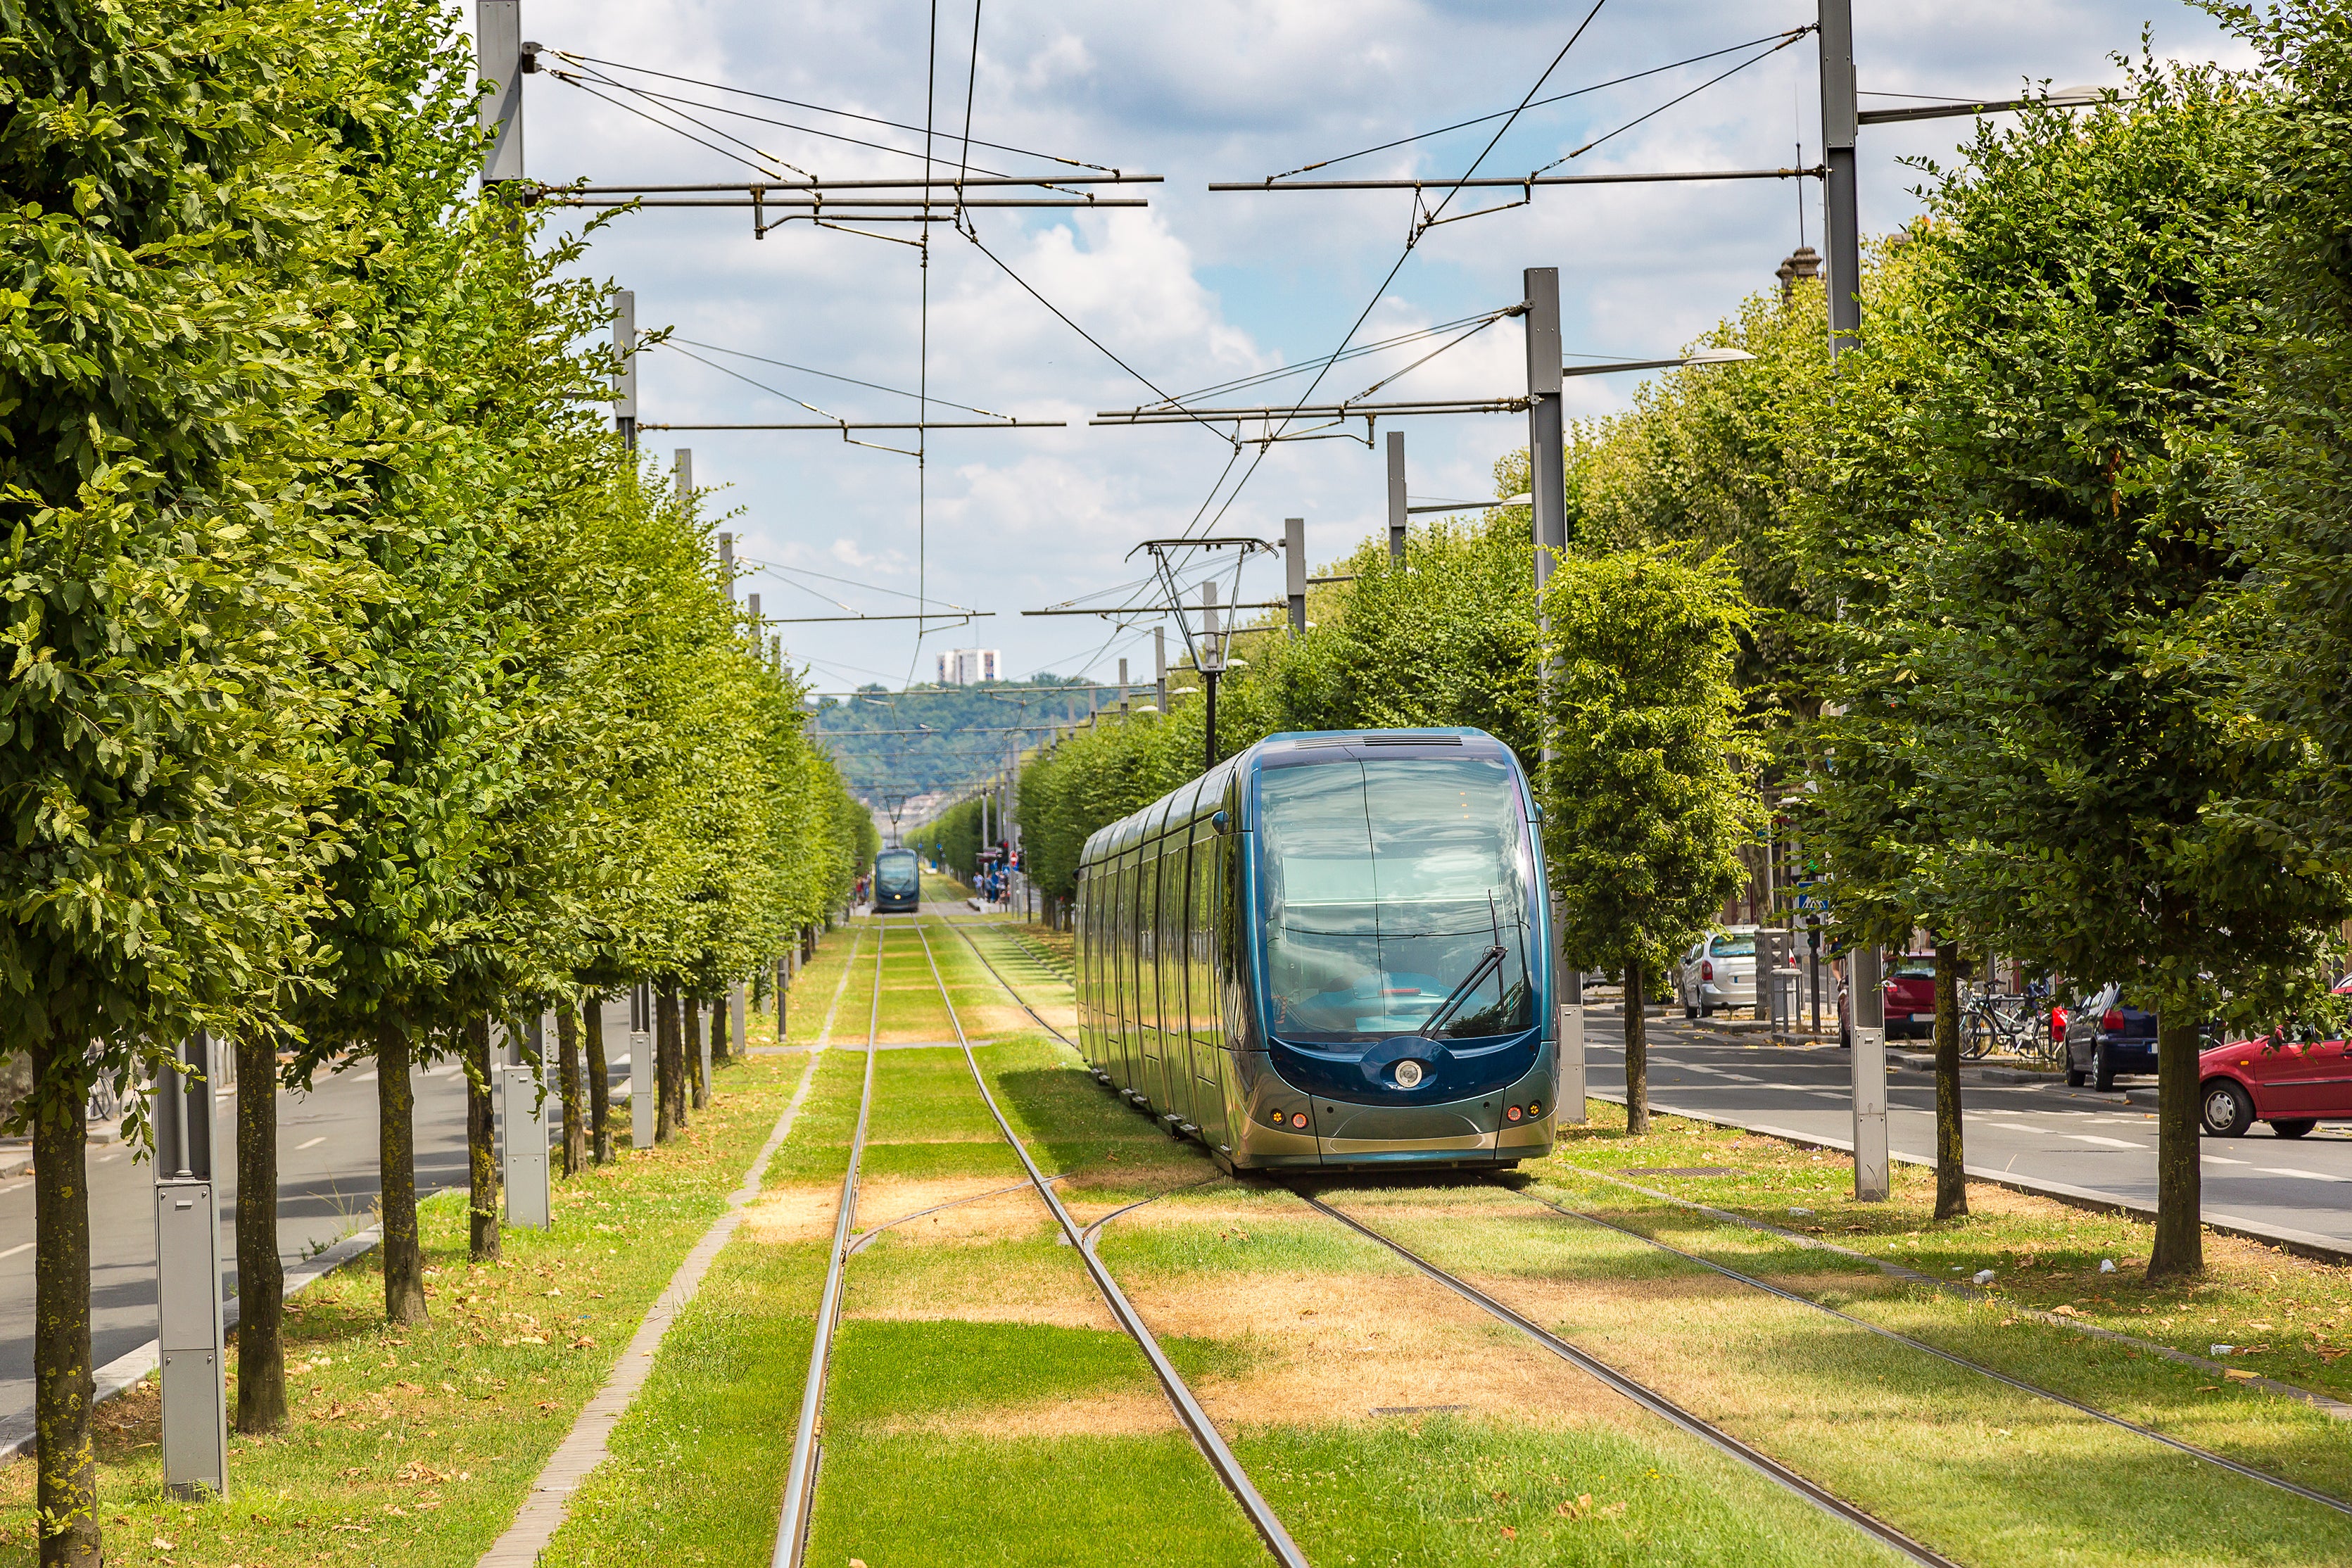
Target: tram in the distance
[897,883]
[1329,951]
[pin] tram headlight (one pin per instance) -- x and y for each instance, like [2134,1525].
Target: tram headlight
[1514,1113]
[1535,1107]
[1409,1075]
[1298,1120]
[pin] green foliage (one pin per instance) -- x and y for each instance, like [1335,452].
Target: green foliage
[2290,478]
[176,262]
[1648,795]
[2034,667]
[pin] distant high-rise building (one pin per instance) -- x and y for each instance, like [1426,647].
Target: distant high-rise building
[968,666]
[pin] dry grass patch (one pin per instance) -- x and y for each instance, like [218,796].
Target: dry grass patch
[917,1283]
[1105,1414]
[979,1220]
[1337,1346]
[805,1212]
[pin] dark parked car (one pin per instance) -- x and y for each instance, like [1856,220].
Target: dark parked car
[2105,1037]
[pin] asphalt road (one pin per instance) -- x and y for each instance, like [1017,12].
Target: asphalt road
[327,1188]
[2097,1143]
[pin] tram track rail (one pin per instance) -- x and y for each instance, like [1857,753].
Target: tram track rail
[1203,1431]
[801,1474]
[1649,1398]
[2205,1455]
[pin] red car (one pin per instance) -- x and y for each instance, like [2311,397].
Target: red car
[2294,1085]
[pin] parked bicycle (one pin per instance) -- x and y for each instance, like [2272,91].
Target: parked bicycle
[2005,1025]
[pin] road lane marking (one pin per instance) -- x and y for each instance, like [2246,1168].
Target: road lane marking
[313,1143]
[2103,1142]
[2306,1175]
[20,1247]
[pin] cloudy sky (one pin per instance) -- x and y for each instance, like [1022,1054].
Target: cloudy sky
[1200,288]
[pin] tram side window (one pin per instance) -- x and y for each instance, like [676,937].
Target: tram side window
[1171,934]
[1207,1016]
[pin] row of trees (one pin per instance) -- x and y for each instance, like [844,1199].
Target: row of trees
[360,688]
[2032,602]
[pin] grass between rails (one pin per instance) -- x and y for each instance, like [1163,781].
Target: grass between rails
[982,1407]
[417,1445]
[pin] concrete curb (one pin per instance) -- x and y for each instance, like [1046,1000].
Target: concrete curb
[125,1371]
[2335,1409]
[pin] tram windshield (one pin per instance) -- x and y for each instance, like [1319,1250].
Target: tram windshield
[1385,883]
[896,873]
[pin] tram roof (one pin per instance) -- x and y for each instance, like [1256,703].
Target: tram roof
[1150,820]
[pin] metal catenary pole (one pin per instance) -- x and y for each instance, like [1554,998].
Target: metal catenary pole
[1546,460]
[1294,572]
[625,366]
[523,1107]
[1396,497]
[1867,1000]
[503,61]
[1159,668]
[1212,665]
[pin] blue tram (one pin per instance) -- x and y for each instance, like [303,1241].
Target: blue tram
[1329,951]
[897,883]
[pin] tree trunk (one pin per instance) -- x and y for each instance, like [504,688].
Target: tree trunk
[600,1082]
[1951,1181]
[575,1126]
[481,1146]
[692,1017]
[65,1478]
[395,1100]
[667,1102]
[1637,1054]
[2179,1250]
[722,1027]
[260,1274]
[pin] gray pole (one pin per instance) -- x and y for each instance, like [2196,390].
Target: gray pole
[1866,1000]
[1293,570]
[190,1326]
[751,607]
[1547,458]
[682,471]
[1841,215]
[1122,686]
[1160,666]
[1396,497]
[501,62]
[625,367]
[1212,665]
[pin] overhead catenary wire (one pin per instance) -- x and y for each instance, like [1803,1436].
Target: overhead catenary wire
[1378,294]
[1671,102]
[1541,102]
[821,109]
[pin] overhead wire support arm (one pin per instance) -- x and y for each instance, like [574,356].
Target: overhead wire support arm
[1507,183]
[883,424]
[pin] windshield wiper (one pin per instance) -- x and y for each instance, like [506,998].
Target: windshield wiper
[1489,963]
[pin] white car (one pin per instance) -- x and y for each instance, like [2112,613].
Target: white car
[1720,971]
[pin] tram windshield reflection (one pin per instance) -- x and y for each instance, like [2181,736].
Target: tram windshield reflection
[1384,882]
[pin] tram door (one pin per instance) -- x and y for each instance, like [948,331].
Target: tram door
[1202,1016]
[1175,1044]
[1123,970]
